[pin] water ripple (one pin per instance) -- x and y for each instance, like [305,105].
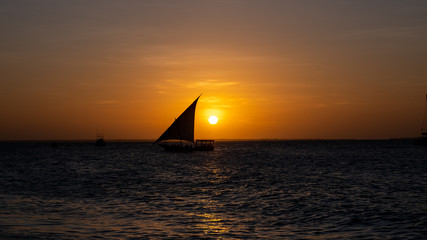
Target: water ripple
[242,190]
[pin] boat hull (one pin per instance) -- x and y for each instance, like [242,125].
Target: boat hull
[200,145]
[100,142]
[177,148]
[204,145]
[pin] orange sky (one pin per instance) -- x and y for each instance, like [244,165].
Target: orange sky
[267,69]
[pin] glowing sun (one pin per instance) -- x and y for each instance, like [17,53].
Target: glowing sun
[213,119]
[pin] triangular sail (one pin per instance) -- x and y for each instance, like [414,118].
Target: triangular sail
[183,127]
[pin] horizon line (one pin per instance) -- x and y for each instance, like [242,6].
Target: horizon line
[218,139]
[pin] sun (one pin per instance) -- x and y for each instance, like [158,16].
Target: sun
[213,119]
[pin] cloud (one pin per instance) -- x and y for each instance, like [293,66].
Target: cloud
[342,103]
[211,83]
[171,55]
[106,102]
[391,32]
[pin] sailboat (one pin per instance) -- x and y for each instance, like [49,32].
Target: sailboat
[99,139]
[423,139]
[179,137]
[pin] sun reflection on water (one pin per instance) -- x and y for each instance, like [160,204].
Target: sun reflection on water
[212,223]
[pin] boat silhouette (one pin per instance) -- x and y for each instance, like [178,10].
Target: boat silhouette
[179,137]
[423,139]
[99,139]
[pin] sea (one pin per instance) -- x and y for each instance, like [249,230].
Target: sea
[352,189]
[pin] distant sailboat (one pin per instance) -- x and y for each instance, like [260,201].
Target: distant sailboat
[99,139]
[423,139]
[180,135]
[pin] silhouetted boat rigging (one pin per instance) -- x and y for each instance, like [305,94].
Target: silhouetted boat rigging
[179,137]
[99,139]
[423,139]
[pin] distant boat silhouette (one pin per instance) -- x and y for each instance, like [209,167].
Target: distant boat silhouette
[179,137]
[423,139]
[99,139]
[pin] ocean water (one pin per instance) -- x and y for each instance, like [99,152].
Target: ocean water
[242,190]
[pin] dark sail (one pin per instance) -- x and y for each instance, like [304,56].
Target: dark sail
[183,127]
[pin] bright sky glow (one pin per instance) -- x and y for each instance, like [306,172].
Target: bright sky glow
[311,69]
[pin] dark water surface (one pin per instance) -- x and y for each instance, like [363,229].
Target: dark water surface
[242,190]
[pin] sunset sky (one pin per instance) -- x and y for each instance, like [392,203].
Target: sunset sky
[309,69]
